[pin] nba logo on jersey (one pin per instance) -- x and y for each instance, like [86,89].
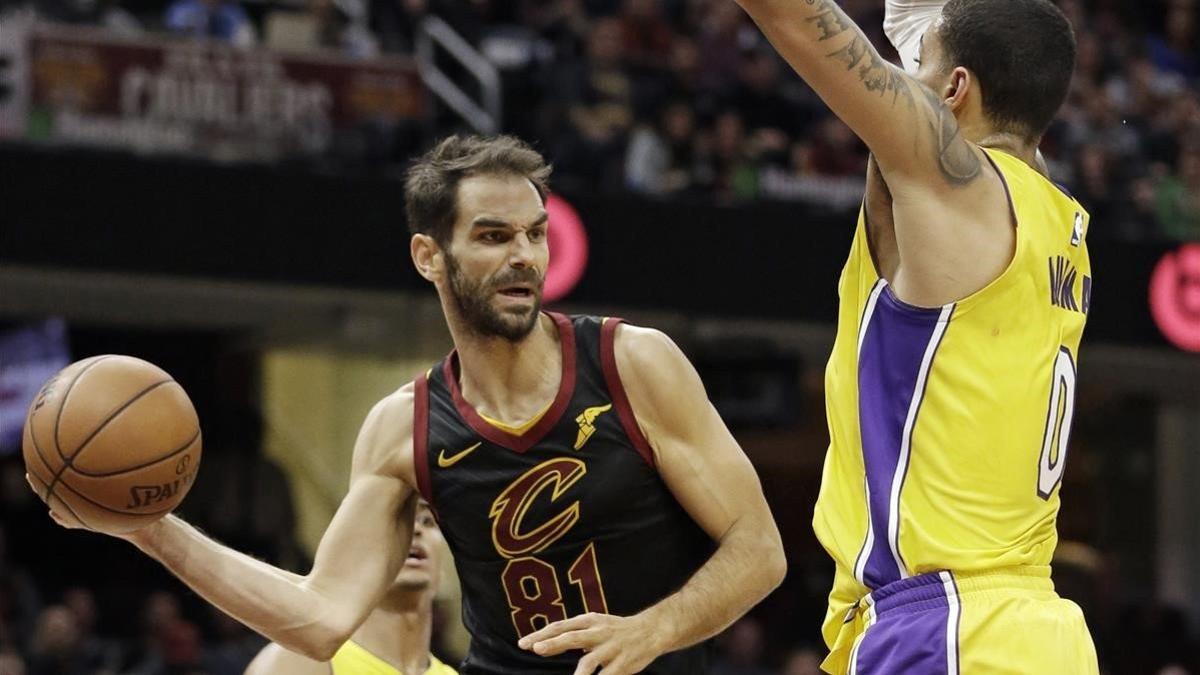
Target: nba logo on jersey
[1077,231]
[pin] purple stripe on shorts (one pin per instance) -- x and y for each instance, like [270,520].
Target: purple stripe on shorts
[909,635]
[899,339]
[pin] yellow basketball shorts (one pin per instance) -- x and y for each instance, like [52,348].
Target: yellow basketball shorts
[1008,621]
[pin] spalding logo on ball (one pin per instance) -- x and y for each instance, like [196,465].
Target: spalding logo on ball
[1175,297]
[111,443]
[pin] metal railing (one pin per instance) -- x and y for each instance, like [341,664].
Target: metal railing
[482,115]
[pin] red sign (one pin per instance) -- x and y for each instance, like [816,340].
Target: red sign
[208,99]
[568,249]
[1175,297]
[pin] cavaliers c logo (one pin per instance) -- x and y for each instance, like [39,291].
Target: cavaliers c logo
[508,511]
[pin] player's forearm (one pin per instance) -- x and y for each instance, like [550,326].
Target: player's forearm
[276,603]
[748,564]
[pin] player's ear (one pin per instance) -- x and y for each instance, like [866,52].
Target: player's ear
[426,256]
[962,83]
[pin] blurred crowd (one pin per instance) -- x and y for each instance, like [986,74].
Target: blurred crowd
[683,98]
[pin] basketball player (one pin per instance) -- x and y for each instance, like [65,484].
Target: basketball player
[394,640]
[950,389]
[600,513]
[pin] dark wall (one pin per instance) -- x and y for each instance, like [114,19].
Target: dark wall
[774,260]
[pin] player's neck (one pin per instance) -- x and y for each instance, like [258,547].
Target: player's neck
[511,381]
[1004,141]
[399,632]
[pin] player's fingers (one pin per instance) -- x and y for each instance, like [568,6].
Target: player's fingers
[66,521]
[576,639]
[32,485]
[557,628]
[589,664]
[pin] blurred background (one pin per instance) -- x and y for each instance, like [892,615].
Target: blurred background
[214,186]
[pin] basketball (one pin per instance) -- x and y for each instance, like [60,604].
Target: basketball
[112,442]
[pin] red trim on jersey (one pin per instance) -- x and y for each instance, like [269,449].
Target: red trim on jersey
[421,439]
[566,388]
[608,361]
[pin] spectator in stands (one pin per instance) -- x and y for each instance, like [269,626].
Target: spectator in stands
[723,34]
[11,663]
[55,648]
[764,102]
[160,612]
[222,20]
[599,98]
[660,159]
[645,33]
[836,150]
[333,25]
[563,24]
[104,13]
[1093,184]
[104,654]
[1174,50]
[1178,196]
[727,168]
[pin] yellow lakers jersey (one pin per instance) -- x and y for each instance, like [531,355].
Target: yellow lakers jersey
[949,426]
[352,659]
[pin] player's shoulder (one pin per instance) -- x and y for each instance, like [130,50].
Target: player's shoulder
[386,434]
[641,344]
[393,413]
[647,358]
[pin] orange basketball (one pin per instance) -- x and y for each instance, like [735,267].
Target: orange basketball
[113,442]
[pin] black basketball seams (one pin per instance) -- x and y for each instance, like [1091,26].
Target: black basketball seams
[37,447]
[181,449]
[67,393]
[49,470]
[67,463]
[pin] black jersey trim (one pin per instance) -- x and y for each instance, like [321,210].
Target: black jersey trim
[421,439]
[608,363]
[566,389]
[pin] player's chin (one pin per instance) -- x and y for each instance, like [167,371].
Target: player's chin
[415,576]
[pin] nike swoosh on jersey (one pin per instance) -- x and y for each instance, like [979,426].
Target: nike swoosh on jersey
[447,462]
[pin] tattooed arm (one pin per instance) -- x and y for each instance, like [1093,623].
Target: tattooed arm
[904,123]
[937,178]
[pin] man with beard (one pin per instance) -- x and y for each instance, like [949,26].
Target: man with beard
[395,637]
[600,513]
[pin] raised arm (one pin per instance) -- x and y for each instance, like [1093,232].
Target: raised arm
[712,479]
[929,184]
[907,126]
[358,557]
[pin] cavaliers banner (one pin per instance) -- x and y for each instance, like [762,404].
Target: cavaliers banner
[206,99]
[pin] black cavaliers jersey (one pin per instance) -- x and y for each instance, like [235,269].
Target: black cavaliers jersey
[567,518]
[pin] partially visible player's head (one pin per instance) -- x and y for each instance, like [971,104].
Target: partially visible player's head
[421,568]
[1021,52]
[476,209]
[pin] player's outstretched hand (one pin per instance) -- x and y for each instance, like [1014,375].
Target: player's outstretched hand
[620,645]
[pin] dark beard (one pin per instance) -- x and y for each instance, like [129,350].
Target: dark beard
[474,302]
